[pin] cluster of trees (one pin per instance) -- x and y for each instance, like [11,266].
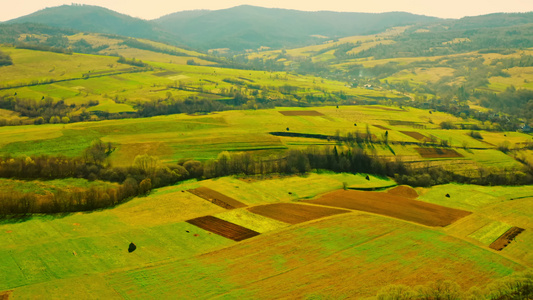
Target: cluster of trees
[57,43]
[61,201]
[5,59]
[82,46]
[440,40]
[43,111]
[145,173]
[516,286]
[132,61]
[135,43]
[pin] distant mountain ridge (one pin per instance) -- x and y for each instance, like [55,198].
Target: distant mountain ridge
[250,27]
[238,28]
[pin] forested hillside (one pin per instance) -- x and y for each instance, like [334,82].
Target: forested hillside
[250,27]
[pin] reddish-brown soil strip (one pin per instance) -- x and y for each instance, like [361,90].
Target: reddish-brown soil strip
[416,135]
[437,153]
[400,122]
[301,113]
[294,213]
[404,191]
[381,127]
[216,198]
[506,238]
[393,206]
[5,295]
[223,228]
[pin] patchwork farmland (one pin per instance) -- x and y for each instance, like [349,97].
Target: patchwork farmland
[181,177]
[287,241]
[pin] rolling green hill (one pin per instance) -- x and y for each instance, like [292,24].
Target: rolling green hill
[96,19]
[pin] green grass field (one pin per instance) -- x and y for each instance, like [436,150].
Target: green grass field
[87,252]
[203,137]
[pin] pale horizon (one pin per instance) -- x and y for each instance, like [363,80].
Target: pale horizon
[453,9]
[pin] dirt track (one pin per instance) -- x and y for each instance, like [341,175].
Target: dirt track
[294,213]
[216,198]
[393,206]
[223,228]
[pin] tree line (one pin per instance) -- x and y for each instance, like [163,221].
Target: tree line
[516,286]
[147,173]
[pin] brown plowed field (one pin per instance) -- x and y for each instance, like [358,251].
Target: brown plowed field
[216,198]
[415,135]
[294,213]
[223,228]
[437,153]
[506,238]
[392,206]
[301,113]
[381,127]
[4,295]
[404,191]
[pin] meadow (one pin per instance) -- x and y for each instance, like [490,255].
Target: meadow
[262,236]
[85,254]
[203,137]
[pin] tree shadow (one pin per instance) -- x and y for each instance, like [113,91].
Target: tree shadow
[14,219]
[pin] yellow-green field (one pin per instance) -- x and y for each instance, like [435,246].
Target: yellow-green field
[81,78]
[85,255]
[203,137]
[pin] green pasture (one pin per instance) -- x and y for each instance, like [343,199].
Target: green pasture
[472,197]
[310,259]
[49,248]
[31,65]
[203,137]
[421,75]
[61,254]
[493,158]
[111,106]
[251,221]
[490,232]
[260,190]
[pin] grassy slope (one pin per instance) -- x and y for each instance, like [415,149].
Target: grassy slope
[205,136]
[86,254]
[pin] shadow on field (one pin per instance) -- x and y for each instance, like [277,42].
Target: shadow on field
[14,219]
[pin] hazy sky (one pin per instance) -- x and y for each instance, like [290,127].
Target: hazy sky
[151,9]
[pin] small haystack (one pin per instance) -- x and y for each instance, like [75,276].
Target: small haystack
[132,247]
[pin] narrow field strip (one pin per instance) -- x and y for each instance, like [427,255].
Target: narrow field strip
[490,232]
[223,228]
[438,153]
[301,113]
[393,206]
[216,198]
[506,238]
